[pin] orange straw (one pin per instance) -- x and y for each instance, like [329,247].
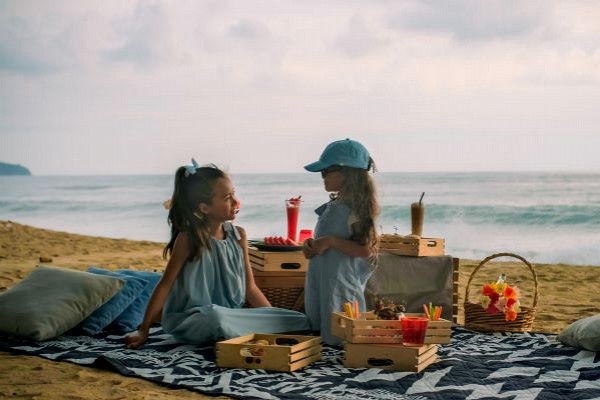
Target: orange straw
[356,312]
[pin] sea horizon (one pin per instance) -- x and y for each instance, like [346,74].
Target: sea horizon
[547,217]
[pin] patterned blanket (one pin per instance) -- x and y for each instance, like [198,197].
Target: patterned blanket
[472,366]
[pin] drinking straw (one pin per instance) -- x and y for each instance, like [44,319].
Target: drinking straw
[421,199]
[426,311]
[356,312]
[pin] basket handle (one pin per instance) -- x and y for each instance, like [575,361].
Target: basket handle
[535,279]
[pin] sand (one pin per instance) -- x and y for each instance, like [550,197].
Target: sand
[566,293]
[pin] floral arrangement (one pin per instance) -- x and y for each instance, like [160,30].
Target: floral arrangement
[499,296]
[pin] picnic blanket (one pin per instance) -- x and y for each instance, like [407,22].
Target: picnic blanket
[472,366]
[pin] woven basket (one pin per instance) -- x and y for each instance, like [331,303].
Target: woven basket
[290,298]
[477,319]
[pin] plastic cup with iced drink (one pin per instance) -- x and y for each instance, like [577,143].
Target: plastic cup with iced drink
[292,208]
[417,215]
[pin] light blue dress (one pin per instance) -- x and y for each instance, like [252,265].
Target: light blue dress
[333,277]
[205,303]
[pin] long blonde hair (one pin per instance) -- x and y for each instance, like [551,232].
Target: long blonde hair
[359,193]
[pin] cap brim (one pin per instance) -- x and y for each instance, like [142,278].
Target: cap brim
[317,166]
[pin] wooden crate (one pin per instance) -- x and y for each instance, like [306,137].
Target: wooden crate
[405,246]
[282,289]
[370,330]
[292,261]
[284,353]
[390,357]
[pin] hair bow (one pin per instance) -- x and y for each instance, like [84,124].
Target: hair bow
[191,169]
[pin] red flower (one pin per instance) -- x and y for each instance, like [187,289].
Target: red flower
[511,292]
[494,297]
[492,308]
[510,315]
[489,289]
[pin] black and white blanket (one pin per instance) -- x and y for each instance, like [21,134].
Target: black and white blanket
[472,366]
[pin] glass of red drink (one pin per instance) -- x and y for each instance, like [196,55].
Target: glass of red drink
[413,330]
[305,234]
[292,208]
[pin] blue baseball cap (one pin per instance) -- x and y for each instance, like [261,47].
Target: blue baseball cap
[346,153]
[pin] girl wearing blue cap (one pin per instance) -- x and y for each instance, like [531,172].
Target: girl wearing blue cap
[342,255]
[208,276]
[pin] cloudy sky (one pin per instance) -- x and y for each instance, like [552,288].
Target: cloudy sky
[127,87]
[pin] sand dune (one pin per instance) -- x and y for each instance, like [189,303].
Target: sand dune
[566,293]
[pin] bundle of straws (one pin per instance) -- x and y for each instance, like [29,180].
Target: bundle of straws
[432,312]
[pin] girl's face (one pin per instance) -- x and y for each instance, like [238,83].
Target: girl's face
[224,202]
[332,178]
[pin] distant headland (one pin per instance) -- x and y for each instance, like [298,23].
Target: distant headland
[13,169]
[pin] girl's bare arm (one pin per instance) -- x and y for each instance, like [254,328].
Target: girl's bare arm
[157,300]
[350,247]
[254,296]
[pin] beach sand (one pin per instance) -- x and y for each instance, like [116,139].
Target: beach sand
[566,293]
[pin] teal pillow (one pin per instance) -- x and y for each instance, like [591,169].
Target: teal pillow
[132,317]
[584,333]
[110,310]
[52,300]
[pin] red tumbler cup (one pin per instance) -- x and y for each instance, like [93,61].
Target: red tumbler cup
[413,330]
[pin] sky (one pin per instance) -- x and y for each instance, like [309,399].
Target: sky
[140,87]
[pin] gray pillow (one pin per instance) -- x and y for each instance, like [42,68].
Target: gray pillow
[584,333]
[52,300]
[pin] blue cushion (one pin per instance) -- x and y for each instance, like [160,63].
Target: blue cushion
[110,310]
[133,315]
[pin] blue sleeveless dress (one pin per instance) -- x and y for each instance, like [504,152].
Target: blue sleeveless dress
[205,303]
[333,277]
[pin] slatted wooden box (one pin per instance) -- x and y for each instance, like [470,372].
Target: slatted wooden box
[283,261]
[416,247]
[285,353]
[282,289]
[371,330]
[389,357]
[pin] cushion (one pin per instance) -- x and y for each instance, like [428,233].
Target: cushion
[584,333]
[110,310]
[133,315]
[52,300]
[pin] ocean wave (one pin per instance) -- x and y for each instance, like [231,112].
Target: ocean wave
[84,187]
[544,217]
[541,215]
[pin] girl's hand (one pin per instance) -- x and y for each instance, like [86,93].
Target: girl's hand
[320,245]
[313,247]
[307,248]
[136,339]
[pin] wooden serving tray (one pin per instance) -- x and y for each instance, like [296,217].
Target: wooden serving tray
[407,246]
[371,330]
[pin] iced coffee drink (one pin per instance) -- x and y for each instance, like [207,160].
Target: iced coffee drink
[417,215]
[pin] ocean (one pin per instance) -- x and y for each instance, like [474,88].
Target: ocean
[545,217]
